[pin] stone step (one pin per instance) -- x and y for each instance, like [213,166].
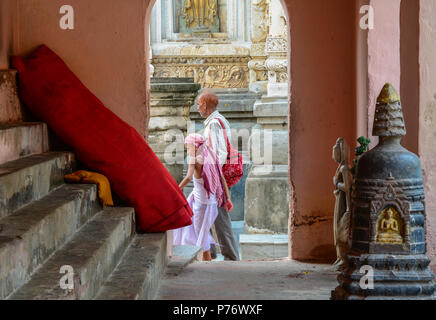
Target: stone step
[137,275]
[31,178]
[22,139]
[244,95]
[226,106]
[263,246]
[239,96]
[93,253]
[182,256]
[30,235]
[231,92]
[229,101]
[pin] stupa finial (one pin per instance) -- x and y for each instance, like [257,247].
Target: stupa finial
[388,118]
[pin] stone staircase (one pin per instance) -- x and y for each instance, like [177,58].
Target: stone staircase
[46,224]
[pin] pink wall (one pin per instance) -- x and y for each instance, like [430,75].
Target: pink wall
[362,81]
[106,49]
[427,116]
[383,54]
[8,30]
[10,108]
[322,109]
[409,24]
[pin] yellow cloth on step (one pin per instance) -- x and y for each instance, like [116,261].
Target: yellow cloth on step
[103,185]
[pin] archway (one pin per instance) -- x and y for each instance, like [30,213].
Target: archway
[242,56]
[321,110]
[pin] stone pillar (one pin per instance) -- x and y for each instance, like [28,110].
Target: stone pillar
[259,32]
[170,100]
[10,107]
[267,184]
[276,49]
[150,62]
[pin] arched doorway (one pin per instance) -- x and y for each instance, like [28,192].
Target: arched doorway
[241,54]
[323,107]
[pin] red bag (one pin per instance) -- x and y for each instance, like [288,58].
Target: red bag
[102,141]
[233,169]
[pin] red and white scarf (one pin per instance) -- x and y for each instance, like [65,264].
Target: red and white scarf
[212,171]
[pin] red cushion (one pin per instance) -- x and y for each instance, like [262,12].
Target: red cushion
[102,141]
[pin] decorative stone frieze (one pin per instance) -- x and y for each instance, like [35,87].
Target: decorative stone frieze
[210,71]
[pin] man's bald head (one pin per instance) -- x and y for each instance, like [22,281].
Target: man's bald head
[207,103]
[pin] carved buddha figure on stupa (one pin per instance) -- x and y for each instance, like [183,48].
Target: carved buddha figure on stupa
[388,230]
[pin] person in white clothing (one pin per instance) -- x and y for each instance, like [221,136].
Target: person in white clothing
[214,133]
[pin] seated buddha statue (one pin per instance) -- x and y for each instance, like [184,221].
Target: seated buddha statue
[388,229]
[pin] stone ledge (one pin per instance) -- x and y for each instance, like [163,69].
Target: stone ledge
[138,273]
[264,239]
[182,256]
[10,107]
[33,233]
[31,178]
[93,253]
[22,139]
[263,246]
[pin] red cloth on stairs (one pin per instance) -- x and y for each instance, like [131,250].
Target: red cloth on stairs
[101,140]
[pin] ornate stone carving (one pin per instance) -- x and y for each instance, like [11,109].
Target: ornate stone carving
[259,25]
[277,70]
[258,49]
[386,194]
[278,65]
[200,13]
[276,48]
[276,45]
[258,70]
[342,182]
[277,62]
[388,216]
[259,32]
[210,72]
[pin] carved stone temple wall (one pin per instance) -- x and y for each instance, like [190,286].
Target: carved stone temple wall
[239,49]
[211,45]
[170,100]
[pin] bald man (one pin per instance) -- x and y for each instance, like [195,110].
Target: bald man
[214,133]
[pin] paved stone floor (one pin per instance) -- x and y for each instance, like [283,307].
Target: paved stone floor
[283,279]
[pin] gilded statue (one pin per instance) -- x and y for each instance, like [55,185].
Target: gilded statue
[388,230]
[200,13]
[342,181]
